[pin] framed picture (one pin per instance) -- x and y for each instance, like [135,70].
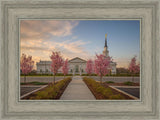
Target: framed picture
[82,67]
[80,59]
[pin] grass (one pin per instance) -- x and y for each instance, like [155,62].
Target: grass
[34,83]
[109,82]
[128,83]
[100,91]
[122,75]
[51,91]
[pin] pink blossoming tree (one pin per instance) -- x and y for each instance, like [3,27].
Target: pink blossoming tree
[26,64]
[56,64]
[89,67]
[133,67]
[101,65]
[65,67]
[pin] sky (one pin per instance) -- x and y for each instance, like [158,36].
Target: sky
[81,38]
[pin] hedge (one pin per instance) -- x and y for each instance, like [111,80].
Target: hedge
[97,88]
[52,91]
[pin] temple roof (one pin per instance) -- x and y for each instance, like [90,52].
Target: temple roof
[77,59]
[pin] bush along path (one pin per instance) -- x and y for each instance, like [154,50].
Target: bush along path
[103,91]
[51,91]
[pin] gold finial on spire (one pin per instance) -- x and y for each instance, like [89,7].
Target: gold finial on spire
[106,35]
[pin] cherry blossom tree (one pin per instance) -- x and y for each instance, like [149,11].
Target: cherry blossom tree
[56,64]
[89,67]
[65,67]
[102,65]
[26,65]
[133,67]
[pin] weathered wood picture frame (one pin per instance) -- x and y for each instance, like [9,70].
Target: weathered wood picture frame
[145,108]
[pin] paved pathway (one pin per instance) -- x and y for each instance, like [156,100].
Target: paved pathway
[77,90]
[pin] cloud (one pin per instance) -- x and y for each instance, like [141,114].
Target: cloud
[74,46]
[43,29]
[33,48]
[38,39]
[66,47]
[122,62]
[74,37]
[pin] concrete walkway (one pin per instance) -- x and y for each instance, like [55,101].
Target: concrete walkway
[77,90]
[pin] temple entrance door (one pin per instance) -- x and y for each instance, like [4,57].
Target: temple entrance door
[76,69]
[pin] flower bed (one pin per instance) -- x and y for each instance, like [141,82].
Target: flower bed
[51,91]
[101,91]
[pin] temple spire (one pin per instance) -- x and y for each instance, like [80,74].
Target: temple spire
[105,40]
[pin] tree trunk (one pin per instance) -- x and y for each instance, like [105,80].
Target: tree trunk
[24,78]
[101,79]
[133,78]
[54,79]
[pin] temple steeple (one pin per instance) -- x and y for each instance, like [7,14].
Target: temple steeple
[105,40]
[105,51]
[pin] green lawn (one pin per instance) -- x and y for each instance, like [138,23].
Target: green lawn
[109,82]
[34,83]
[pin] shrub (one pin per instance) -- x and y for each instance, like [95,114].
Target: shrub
[52,90]
[88,74]
[97,88]
[42,94]
[128,83]
[107,92]
[116,97]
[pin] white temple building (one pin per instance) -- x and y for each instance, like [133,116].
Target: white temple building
[76,65]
